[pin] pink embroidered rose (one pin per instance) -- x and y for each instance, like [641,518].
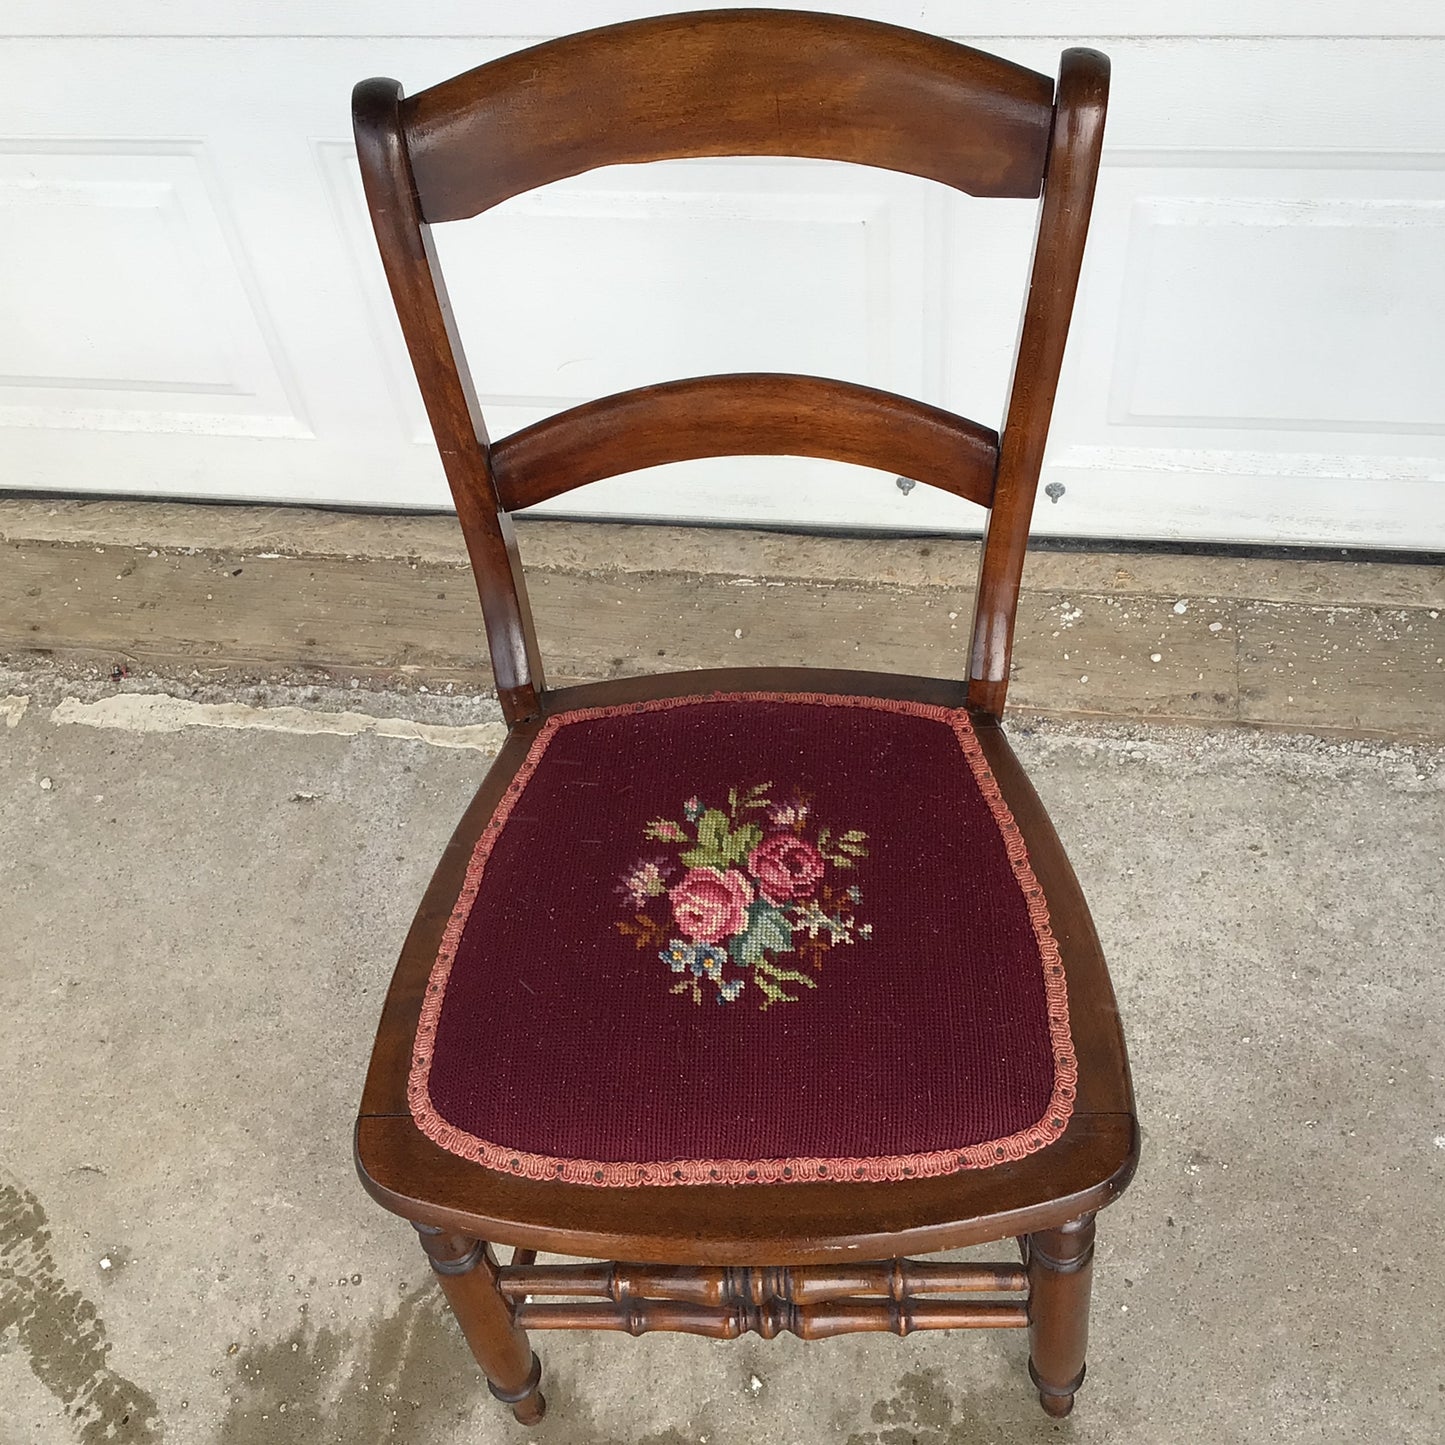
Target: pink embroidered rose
[710,904]
[786,867]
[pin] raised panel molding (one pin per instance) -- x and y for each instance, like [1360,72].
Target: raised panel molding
[1287,347]
[1263,317]
[141,315]
[222,270]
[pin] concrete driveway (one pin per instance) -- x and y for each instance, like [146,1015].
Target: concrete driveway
[198,925]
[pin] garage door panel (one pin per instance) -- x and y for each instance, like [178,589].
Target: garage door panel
[1277,322]
[127,304]
[1255,354]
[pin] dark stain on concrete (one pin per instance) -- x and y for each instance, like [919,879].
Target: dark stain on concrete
[62,1335]
[578,1426]
[408,1378]
[405,1377]
[922,1412]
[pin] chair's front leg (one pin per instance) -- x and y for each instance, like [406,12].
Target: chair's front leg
[1061,1270]
[467,1270]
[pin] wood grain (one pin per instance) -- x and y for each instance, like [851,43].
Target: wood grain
[446,385]
[1075,145]
[751,414]
[729,82]
[1358,669]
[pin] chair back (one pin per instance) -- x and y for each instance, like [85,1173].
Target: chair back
[737,83]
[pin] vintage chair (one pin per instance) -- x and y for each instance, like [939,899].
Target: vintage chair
[763,979]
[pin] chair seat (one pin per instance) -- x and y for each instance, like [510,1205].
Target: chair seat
[747,938]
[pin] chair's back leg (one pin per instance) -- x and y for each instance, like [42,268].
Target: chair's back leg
[467,1270]
[1061,1271]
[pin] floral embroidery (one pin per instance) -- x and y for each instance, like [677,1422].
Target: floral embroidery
[741,890]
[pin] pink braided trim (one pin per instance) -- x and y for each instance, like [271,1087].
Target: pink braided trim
[753,1171]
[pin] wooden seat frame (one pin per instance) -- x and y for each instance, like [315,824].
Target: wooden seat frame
[725,1260]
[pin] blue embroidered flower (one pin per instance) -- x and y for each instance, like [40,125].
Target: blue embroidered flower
[702,960]
[708,960]
[705,963]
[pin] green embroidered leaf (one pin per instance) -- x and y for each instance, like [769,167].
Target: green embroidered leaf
[712,828]
[771,979]
[712,833]
[772,993]
[754,799]
[750,801]
[843,850]
[663,831]
[786,975]
[768,931]
[718,846]
[743,841]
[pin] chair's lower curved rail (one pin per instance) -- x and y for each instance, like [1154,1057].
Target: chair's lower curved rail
[745,414]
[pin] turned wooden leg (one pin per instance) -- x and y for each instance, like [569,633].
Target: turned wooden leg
[467,1269]
[1061,1269]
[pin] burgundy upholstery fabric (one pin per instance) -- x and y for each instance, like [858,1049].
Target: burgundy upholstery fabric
[747,938]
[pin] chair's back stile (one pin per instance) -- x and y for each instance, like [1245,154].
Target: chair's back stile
[1073,166]
[446,387]
[734,82]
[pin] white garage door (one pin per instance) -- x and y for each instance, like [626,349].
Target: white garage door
[192,306]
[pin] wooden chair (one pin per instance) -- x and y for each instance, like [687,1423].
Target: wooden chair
[756,1087]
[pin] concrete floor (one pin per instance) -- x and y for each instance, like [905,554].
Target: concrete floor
[199,924]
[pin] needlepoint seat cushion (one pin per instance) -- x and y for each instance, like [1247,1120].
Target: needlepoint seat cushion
[747,938]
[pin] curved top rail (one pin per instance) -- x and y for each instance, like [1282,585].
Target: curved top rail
[729,82]
[747,414]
